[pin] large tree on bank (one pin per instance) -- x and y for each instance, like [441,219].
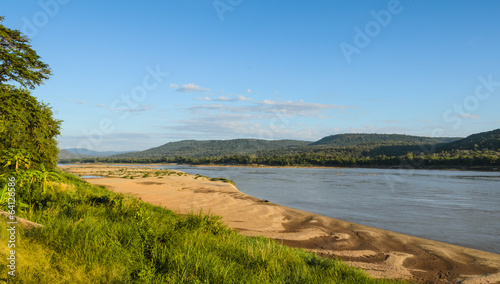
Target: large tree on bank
[18,61]
[27,127]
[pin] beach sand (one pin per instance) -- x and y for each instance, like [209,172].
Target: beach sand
[380,253]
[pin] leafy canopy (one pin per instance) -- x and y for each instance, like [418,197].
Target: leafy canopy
[27,127]
[18,61]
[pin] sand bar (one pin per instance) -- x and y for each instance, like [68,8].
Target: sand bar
[381,253]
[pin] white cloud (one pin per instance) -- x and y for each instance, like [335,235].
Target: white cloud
[299,108]
[227,98]
[243,98]
[257,119]
[469,116]
[101,106]
[141,108]
[249,91]
[271,108]
[223,98]
[231,126]
[175,86]
[192,88]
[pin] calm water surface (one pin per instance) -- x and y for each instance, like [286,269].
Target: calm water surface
[458,207]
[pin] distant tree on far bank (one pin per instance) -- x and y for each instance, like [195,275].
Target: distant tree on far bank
[27,127]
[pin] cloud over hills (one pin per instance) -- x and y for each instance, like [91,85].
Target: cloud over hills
[189,88]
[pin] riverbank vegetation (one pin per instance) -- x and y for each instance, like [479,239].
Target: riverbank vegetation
[479,151]
[458,159]
[92,235]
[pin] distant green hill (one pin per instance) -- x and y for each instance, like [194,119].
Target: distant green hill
[91,153]
[194,148]
[347,140]
[478,151]
[481,141]
[65,154]
[370,145]
[356,144]
[78,153]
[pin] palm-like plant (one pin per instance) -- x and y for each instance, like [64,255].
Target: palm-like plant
[45,176]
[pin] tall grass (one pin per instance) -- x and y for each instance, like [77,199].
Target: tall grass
[92,235]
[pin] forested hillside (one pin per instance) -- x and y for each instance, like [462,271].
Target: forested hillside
[346,150]
[481,141]
[347,145]
[346,140]
[193,148]
[367,145]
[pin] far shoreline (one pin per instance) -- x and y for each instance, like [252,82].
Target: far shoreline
[473,169]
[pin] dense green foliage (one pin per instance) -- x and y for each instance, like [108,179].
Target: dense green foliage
[357,144]
[18,61]
[28,126]
[192,148]
[413,153]
[92,235]
[479,160]
[489,140]
[348,140]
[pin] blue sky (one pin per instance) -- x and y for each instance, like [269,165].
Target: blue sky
[132,75]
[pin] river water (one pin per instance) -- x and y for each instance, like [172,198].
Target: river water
[457,207]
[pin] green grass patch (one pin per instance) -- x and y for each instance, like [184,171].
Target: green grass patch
[223,180]
[200,176]
[92,235]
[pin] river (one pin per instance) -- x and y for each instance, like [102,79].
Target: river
[457,207]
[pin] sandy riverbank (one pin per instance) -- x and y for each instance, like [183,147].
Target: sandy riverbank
[381,253]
